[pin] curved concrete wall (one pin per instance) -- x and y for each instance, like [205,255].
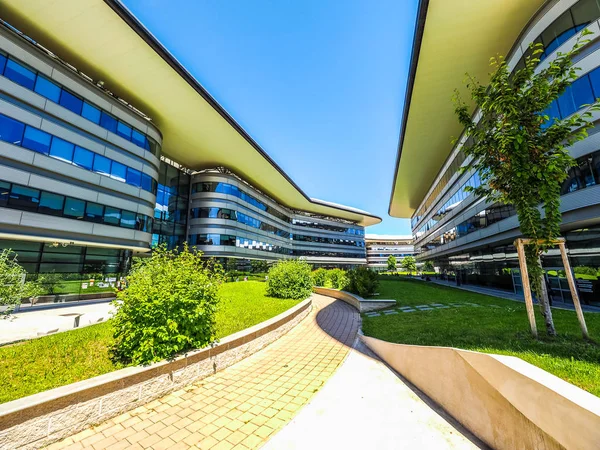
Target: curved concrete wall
[506,402]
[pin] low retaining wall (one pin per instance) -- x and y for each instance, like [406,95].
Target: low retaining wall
[361,304]
[40,419]
[505,401]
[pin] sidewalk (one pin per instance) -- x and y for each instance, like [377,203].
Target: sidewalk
[509,295]
[29,324]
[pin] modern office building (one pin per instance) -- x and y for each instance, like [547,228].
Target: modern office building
[463,234]
[108,146]
[381,246]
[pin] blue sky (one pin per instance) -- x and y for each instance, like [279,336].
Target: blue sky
[319,84]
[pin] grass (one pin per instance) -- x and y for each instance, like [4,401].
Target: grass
[503,330]
[37,365]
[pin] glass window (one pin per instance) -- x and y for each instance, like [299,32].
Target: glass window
[109,122]
[36,140]
[102,164]
[146,182]
[2,63]
[138,138]
[90,112]
[61,149]
[584,12]
[51,204]
[594,77]
[47,88]
[74,208]
[118,171]
[124,131]
[558,32]
[127,219]
[4,192]
[24,198]
[94,212]
[19,74]
[582,92]
[112,216]
[11,130]
[71,102]
[83,158]
[134,177]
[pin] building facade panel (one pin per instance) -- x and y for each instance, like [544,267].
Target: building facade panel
[471,240]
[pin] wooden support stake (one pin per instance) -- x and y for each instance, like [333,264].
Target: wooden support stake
[526,287]
[573,287]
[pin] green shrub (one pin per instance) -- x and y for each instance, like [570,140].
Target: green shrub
[337,278]
[583,270]
[168,306]
[319,277]
[363,281]
[13,287]
[290,279]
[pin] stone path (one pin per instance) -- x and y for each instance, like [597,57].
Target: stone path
[426,307]
[243,405]
[363,405]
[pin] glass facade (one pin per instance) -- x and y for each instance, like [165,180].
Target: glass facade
[26,136]
[230,189]
[23,198]
[172,205]
[70,272]
[328,227]
[30,78]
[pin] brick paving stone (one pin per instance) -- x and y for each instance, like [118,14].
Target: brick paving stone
[244,405]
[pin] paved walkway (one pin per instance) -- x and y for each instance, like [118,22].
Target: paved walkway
[510,295]
[31,323]
[245,405]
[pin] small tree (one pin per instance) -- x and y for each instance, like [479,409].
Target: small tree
[290,279]
[363,281]
[259,265]
[428,266]
[520,153]
[337,278]
[168,306]
[319,277]
[13,286]
[391,263]
[409,264]
[231,265]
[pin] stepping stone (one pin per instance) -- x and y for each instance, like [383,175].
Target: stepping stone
[405,307]
[457,305]
[389,312]
[408,310]
[425,308]
[494,306]
[473,304]
[372,314]
[422,306]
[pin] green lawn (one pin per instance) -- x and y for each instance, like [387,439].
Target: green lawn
[48,362]
[503,330]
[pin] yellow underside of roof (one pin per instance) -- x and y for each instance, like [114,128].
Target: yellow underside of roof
[459,37]
[91,36]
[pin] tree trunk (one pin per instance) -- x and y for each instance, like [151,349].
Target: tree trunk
[545,305]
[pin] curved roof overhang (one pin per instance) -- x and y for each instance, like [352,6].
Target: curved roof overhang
[452,38]
[104,40]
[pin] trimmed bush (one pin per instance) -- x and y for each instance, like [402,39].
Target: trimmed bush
[319,277]
[363,281]
[290,279]
[168,306]
[337,278]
